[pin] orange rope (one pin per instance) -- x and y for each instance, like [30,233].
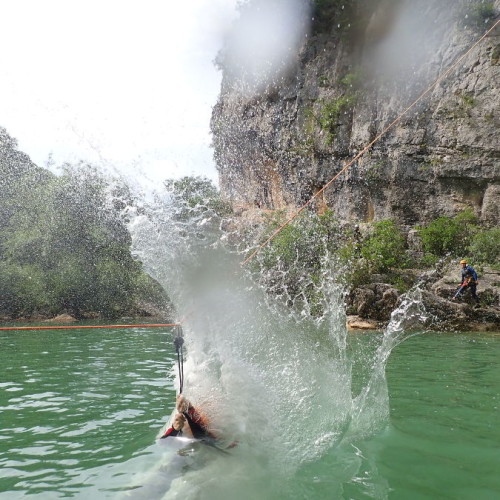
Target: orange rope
[362,152]
[86,326]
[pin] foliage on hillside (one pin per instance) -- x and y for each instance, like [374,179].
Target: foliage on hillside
[461,236]
[63,245]
[196,196]
[297,260]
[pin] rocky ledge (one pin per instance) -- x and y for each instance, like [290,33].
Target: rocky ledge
[370,306]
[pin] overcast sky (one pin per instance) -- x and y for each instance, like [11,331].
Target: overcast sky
[121,83]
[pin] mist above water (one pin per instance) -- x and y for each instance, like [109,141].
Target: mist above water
[404,40]
[264,42]
[257,373]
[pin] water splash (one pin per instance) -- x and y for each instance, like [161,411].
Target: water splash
[276,378]
[371,406]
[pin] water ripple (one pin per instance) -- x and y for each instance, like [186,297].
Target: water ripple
[95,401]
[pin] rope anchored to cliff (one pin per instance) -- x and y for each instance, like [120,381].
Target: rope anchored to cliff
[367,147]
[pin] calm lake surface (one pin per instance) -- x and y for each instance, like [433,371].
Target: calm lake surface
[80,410]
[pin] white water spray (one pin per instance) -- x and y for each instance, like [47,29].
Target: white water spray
[277,381]
[264,43]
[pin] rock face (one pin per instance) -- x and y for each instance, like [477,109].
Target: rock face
[351,90]
[376,301]
[363,64]
[464,314]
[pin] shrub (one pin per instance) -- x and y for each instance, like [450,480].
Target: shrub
[449,235]
[293,264]
[306,241]
[385,248]
[351,80]
[196,195]
[485,247]
[479,14]
[22,289]
[331,111]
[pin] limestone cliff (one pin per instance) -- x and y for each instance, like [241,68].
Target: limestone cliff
[361,65]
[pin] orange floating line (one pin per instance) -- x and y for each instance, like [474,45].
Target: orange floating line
[75,327]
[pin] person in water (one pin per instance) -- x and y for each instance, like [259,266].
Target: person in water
[188,420]
[469,281]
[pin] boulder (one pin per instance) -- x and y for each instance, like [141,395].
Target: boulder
[61,318]
[357,323]
[374,301]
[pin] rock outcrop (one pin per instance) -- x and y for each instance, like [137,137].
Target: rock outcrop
[373,303]
[465,314]
[61,318]
[364,64]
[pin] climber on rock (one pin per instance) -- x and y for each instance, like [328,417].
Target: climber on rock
[468,282]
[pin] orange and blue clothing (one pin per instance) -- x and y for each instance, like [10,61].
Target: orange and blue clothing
[469,280]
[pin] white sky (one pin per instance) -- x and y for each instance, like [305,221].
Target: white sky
[122,83]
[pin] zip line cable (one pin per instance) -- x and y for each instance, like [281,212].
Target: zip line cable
[366,148]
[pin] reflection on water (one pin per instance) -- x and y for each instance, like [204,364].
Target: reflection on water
[81,421]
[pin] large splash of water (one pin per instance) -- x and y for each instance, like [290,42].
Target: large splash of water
[277,381]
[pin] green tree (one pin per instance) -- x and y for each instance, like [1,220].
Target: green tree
[195,196]
[63,244]
[485,247]
[22,289]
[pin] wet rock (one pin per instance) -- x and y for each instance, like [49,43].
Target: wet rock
[414,243]
[387,303]
[374,301]
[463,314]
[488,288]
[362,301]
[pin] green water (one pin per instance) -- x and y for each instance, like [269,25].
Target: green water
[79,412]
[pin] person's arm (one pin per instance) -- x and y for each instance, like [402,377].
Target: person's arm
[197,423]
[459,291]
